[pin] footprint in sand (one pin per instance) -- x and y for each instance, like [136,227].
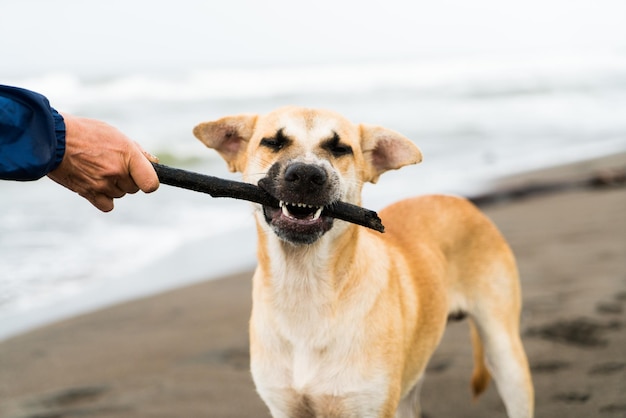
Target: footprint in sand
[582,332]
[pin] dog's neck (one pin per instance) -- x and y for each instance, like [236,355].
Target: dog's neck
[308,287]
[297,274]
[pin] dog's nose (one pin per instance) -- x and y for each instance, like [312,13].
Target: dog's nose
[305,174]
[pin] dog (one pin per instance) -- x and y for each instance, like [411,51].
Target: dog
[345,319]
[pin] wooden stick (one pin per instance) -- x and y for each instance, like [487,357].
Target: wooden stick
[217,187]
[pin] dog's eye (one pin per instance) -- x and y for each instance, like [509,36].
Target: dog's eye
[337,149]
[277,142]
[272,143]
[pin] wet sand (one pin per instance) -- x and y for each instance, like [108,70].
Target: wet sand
[184,353]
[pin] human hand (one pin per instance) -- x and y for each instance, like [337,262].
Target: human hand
[102,164]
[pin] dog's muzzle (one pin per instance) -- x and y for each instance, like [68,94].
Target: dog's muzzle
[303,191]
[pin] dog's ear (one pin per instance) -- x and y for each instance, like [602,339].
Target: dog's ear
[229,136]
[384,150]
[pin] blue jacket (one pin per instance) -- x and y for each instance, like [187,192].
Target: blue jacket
[32,135]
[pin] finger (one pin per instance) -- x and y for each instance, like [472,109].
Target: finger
[127,185]
[109,187]
[100,201]
[150,157]
[142,172]
[115,193]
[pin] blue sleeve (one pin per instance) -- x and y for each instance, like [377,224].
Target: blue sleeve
[32,135]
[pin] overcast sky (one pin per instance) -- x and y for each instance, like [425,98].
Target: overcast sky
[121,35]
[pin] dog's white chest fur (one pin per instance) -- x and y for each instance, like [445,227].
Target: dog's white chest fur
[311,345]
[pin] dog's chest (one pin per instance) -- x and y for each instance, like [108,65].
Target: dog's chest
[320,381]
[311,348]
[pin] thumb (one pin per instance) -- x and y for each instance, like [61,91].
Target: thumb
[141,170]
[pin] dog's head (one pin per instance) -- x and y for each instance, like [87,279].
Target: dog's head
[307,159]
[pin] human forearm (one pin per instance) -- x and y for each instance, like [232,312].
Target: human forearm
[32,135]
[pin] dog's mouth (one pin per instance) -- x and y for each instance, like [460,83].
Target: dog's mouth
[298,223]
[302,192]
[301,211]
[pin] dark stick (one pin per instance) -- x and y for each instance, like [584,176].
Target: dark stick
[217,187]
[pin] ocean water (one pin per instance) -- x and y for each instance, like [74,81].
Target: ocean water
[475,118]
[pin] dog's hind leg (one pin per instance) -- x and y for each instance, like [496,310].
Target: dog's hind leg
[410,406]
[480,375]
[506,361]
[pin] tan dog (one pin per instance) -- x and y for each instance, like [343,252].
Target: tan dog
[345,319]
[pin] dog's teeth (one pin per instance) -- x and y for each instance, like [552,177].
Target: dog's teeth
[284,206]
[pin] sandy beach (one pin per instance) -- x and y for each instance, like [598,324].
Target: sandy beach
[184,353]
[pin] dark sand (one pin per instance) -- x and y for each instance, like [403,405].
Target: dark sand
[184,353]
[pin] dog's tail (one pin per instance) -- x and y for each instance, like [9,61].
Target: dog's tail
[480,375]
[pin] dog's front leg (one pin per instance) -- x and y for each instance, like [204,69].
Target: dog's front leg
[410,406]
